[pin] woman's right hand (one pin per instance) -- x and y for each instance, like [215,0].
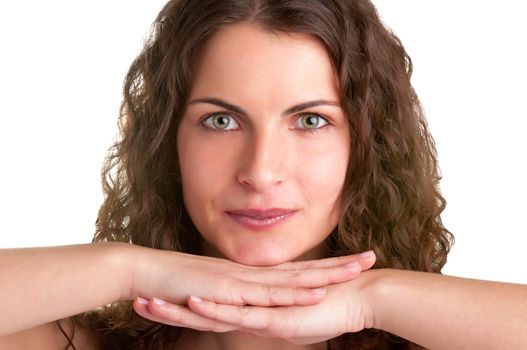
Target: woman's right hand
[174,277]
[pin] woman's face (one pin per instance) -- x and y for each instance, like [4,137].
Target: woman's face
[263,147]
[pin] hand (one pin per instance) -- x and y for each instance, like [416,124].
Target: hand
[343,309]
[174,277]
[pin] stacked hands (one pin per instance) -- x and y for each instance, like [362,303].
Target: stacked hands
[303,302]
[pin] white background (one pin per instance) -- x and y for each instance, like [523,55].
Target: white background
[62,64]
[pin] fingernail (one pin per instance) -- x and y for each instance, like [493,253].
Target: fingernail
[367,254]
[142,301]
[196,299]
[159,301]
[319,291]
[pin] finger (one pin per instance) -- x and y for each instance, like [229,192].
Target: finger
[179,316]
[249,293]
[327,262]
[307,278]
[367,260]
[247,317]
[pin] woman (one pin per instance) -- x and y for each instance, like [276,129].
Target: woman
[267,134]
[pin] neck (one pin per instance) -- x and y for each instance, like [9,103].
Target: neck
[191,339]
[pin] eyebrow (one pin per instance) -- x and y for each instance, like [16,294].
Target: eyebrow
[293,109]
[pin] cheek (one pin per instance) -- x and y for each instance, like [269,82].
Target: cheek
[207,172]
[321,170]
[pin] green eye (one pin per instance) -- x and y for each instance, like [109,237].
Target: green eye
[220,121]
[310,121]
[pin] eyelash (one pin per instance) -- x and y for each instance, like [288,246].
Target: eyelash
[308,130]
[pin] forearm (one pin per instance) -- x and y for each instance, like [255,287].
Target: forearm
[444,312]
[40,285]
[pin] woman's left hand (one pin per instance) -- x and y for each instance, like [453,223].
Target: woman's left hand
[344,308]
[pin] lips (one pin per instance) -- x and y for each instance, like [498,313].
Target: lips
[261,213]
[258,219]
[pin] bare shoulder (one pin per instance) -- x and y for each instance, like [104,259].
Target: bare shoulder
[47,336]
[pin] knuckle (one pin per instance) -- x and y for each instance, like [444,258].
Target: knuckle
[214,312]
[295,277]
[275,296]
[267,326]
[288,265]
[216,327]
[173,314]
[338,272]
[243,313]
[270,294]
[231,297]
[298,295]
[280,329]
[309,265]
[226,292]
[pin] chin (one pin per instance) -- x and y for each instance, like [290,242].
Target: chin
[263,253]
[260,258]
[270,255]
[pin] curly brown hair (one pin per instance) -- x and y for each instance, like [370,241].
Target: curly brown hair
[391,199]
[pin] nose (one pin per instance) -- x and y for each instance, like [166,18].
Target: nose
[263,160]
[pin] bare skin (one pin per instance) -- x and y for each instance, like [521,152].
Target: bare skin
[261,155]
[434,311]
[274,290]
[49,276]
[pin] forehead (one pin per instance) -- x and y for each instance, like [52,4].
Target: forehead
[246,61]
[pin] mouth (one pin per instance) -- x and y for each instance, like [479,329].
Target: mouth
[260,219]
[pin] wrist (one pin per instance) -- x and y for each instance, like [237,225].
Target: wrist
[386,293]
[140,266]
[123,258]
[373,287]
